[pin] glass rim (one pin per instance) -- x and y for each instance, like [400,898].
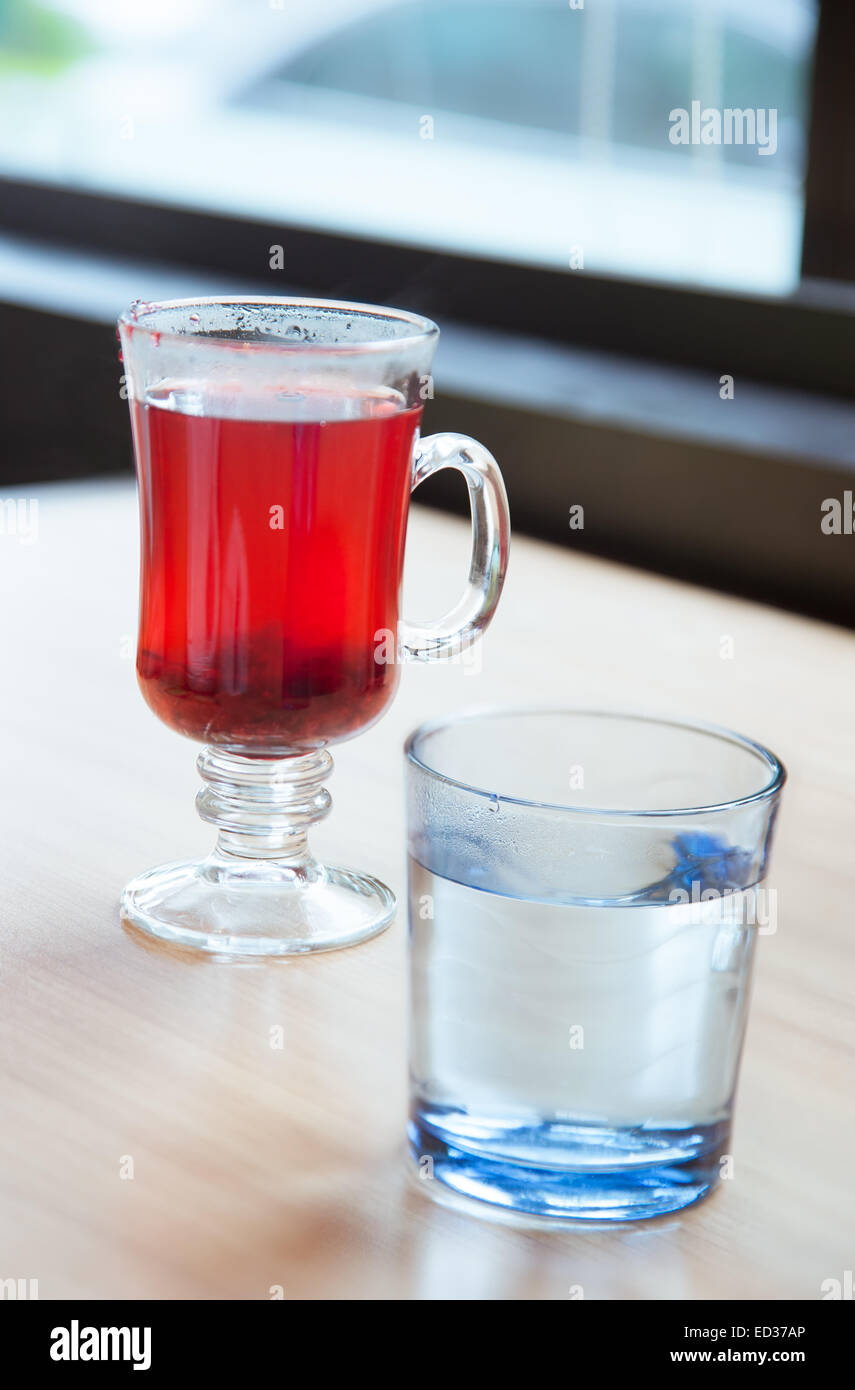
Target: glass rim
[424,329]
[777,770]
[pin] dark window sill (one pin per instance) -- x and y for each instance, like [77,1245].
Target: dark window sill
[671,477]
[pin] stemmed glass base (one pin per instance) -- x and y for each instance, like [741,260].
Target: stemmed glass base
[260,892]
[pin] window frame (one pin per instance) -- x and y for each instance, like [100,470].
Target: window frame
[557,454]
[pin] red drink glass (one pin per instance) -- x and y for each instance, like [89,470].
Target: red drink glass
[277,444]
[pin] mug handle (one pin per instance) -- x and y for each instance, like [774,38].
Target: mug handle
[491,536]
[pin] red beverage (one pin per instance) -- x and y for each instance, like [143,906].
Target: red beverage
[272,553]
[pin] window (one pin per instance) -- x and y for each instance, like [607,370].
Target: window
[603,202]
[534,131]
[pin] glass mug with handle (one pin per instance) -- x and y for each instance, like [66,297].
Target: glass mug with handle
[277,444]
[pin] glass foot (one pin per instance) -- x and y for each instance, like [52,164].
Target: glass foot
[260,892]
[592,1181]
[257,909]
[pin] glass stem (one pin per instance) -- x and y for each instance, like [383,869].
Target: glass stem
[263,807]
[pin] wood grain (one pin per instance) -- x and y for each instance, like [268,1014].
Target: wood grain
[256,1167]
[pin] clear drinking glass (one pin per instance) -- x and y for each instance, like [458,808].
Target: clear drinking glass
[586,890]
[277,444]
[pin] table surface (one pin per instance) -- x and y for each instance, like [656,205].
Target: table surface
[257,1168]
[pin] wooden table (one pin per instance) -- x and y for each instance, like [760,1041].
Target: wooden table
[256,1167]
